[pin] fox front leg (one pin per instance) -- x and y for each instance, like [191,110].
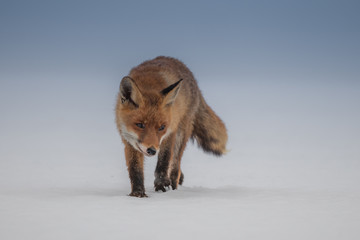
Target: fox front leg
[135,164]
[162,180]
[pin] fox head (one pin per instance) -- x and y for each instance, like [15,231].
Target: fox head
[144,117]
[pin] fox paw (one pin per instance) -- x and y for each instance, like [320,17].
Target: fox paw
[161,183]
[138,193]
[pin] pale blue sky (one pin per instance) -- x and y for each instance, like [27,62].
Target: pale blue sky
[61,63]
[235,38]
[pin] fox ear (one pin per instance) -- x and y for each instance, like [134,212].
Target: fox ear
[130,92]
[171,92]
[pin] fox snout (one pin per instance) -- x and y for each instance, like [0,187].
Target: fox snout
[151,151]
[148,151]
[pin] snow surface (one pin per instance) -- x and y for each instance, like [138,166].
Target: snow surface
[292,171]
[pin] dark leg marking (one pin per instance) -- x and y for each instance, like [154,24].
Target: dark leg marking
[179,147]
[135,161]
[174,177]
[181,179]
[137,182]
[162,181]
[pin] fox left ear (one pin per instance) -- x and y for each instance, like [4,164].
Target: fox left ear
[171,92]
[130,92]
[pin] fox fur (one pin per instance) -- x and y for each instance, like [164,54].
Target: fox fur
[159,108]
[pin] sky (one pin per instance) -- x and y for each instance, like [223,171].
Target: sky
[232,38]
[61,61]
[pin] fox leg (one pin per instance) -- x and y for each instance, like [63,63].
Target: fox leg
[181,179]
[176,175]
[161,172]
[135,164]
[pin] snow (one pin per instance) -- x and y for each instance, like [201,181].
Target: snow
[292,170]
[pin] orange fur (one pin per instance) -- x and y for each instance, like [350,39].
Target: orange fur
[159,108]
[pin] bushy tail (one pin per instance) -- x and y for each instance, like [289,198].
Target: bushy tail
[209,131]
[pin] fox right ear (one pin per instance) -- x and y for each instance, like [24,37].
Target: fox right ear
[171,92]
[130,92]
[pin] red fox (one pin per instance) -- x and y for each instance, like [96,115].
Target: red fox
[159,108]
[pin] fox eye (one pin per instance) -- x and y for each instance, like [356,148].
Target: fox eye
[140,125]
[162,127]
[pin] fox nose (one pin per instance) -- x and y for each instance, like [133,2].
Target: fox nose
[151,151]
